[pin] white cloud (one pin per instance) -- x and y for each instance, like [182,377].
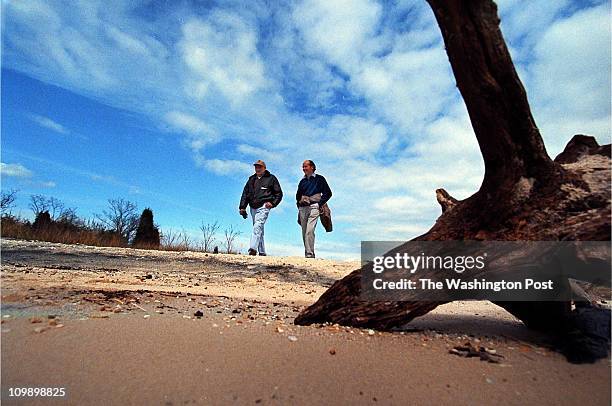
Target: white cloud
[127,42]
[48,184]
[221,52]
[15,170]
[349,137]
[339,30]
[571,78]
[46,122]
[198,133]
[525,22]
[227,167]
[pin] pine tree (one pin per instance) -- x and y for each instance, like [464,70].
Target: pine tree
[147,234]
[42,221]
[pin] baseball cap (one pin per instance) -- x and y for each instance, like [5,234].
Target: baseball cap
[260,162]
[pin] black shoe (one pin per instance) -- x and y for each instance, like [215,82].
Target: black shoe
[262,254]
[252,251]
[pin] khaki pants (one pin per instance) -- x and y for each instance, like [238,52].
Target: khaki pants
[308,217]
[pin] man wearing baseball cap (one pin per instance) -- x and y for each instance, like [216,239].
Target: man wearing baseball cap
[261,193]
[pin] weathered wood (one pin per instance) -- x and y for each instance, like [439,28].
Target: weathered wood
[446,201]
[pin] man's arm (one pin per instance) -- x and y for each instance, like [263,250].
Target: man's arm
[244,199]
[277,192]
[326,192]
[298,194]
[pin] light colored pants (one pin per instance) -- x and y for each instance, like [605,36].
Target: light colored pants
[308,217]
[259,217]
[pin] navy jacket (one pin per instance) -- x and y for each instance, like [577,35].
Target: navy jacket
[312,186]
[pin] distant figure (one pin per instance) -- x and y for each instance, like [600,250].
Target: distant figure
[312,195]
[216,250]
[261,193]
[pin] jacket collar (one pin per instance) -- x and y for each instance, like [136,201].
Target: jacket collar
[266,173]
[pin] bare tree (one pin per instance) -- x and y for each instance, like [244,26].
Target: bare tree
[56,208]
[230,237]
[175,240]
[121,217]
[7,201]
[208,235]
[168,238]
[38,204]
[68,216]
[185,240]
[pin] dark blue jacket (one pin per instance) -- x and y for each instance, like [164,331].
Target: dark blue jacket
[312,186]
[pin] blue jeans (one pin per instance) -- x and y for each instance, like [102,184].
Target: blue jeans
[259,217]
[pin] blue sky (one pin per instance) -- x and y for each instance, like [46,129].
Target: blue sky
[168,103]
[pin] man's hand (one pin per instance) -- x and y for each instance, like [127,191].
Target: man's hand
[268,205]
[243,213]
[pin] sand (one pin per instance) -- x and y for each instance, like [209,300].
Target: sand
[90,320]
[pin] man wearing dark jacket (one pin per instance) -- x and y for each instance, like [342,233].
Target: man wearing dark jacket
[312,194]
[261,193]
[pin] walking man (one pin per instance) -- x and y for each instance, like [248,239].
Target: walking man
[261,193]
[312,194]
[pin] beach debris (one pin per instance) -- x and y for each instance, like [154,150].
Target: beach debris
[292,338]
[279,330]
[371,332]
[140,307]
[35,320]
[332,351]
[146,316]
[41,329]
[198,314]
[468,350]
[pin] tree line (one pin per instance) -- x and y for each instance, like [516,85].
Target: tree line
[119,224]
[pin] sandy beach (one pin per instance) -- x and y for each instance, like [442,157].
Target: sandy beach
[122,326]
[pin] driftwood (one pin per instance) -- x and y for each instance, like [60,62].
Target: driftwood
[524,195]
[446,201]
